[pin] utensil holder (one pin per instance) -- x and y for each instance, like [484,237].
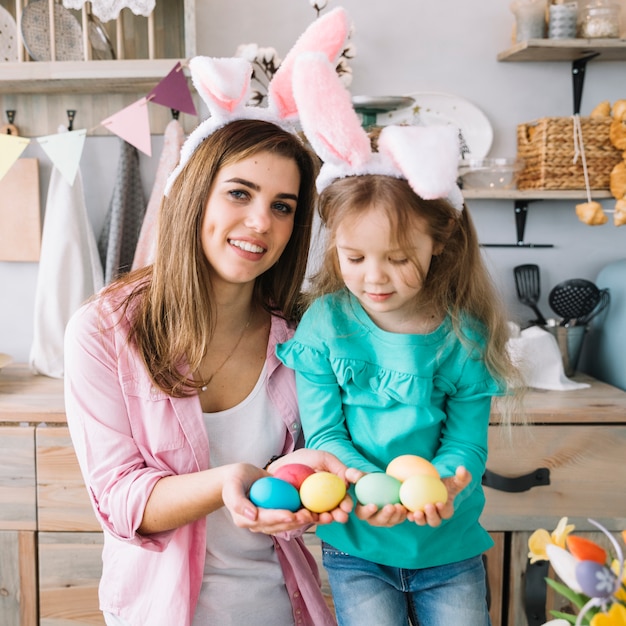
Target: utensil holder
[570,341]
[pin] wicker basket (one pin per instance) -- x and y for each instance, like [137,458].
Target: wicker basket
[547,149]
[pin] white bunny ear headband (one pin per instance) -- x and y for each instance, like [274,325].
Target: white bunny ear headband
[427,157]
[225,84]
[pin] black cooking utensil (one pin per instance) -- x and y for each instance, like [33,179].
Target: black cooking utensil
[574,299]
[605,298]
[528,285]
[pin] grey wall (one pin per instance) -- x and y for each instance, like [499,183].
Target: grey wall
[403,46]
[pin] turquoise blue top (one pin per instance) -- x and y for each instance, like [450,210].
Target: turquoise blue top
[368,395]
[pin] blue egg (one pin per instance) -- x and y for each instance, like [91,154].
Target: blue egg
[595,580]
[273,493]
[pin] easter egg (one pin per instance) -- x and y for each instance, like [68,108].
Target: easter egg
[595,580]
[377,488]
[407,465]
[585,549]
[420,489]
[294,473]
[273,493]
[322,491]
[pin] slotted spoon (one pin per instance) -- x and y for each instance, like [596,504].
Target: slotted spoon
[528,285]
[605,299]
[574,299]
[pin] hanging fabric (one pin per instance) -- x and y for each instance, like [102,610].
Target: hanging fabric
[69,271]
[173,140]
[127,208]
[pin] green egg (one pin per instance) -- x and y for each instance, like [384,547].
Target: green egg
[378,488]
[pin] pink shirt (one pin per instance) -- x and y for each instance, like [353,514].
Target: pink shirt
[127,435]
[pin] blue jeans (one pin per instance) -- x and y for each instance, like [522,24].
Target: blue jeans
[367,593]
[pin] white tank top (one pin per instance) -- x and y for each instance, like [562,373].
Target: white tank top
[243,582]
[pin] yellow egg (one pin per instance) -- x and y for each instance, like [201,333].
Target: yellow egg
[420,489]
[322,491]
[408,465]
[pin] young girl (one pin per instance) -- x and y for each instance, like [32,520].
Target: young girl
[400,352]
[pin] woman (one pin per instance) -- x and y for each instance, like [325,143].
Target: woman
[175,397]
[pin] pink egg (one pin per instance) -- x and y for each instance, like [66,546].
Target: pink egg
[294,473]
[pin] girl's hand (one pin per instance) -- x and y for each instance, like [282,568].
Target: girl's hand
[389,515]
[433,514]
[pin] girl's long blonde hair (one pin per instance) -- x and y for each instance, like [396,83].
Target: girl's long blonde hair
[457,283]
[171,303]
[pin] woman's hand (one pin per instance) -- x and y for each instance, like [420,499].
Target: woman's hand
[318,460]
[271,521]
[433,514]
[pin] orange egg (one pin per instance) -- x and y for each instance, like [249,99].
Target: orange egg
[410,464]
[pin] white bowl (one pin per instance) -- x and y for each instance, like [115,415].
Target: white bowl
[489,173]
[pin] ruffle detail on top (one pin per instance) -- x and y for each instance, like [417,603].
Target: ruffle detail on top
[375,385]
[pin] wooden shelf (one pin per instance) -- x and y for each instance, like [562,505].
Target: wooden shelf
[534,194]
[521,199]
[565,50]
[86,77]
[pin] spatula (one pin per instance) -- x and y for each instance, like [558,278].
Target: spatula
[528,285]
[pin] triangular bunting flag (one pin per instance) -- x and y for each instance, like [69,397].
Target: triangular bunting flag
[11,146]
[64,150]
[173,92]
[133,125]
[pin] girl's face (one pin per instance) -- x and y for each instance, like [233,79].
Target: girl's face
[377,271]
[249,216]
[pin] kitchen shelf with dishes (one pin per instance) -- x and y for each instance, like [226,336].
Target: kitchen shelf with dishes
[78,62]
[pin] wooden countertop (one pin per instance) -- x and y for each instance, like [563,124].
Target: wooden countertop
[25,397]
[600,403]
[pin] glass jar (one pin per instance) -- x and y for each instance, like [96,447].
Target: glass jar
[598,19]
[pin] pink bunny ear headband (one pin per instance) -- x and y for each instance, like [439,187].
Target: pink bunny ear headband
[225,84]
[427,157]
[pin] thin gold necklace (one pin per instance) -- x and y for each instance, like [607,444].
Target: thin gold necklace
[243,332]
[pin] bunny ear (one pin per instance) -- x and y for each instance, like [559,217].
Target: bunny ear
[224,84]
[327,34]
[326,113]
[428,157]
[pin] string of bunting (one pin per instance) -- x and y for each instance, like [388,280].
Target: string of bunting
[132,124]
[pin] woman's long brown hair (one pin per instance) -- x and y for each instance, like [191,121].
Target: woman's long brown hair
[171,304]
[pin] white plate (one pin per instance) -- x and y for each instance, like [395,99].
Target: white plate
[35,25]
[8,37]
[442,108]
[5,360]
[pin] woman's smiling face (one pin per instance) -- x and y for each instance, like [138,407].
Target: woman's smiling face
[249,216]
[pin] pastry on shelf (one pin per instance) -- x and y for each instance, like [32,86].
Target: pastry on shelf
[619,216]
[619,109]
[591,213]
[601,110]
[617,133]
[617,180]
